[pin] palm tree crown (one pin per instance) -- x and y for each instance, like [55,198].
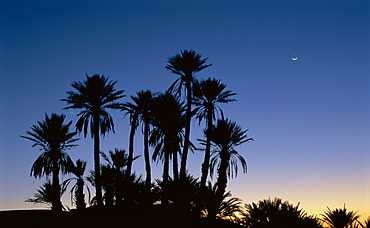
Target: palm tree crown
[277,213]
[53,138]
[225,136]
[340,218]
[94,96]
[207,95]
[185,64]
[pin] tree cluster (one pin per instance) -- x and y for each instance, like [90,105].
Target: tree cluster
[165,119]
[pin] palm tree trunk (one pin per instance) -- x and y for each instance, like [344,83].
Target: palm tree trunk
[131,144]
[207,153]
[120,185]
[175,167]
[98,182]
[57,205]
[80,197]
[221,183]
[165,177]
[166,165]
[146,155]
[184,156]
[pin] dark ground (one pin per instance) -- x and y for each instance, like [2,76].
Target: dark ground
[153,217]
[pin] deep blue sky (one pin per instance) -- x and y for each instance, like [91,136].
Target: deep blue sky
[309,118]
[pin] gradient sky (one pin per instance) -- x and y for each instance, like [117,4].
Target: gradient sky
[309,118]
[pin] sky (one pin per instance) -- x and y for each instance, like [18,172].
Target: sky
[309,118]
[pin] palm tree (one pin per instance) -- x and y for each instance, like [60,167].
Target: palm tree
[168,121]
[276,213]
[186,64]
[77,190]
[108,177]
[207,94]
[340,218]
[115,173]
[225,136]
[140,111]
[46,194]
[229,209]
[94,96]
[54,138]
[183,195]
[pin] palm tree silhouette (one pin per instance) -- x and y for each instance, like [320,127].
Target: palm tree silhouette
[108,177]
[140,111]
[115,173]
[207,94]
[46,194]
[168,121]
[340,218]
[276,213]
[183,195]
[77,190]
[186,64]
[94,96]
[225,136]
[54,138]
[229,209]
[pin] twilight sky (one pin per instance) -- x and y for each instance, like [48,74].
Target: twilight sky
[309,118]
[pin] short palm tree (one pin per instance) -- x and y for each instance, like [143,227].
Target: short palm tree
[186,64]
[54,138]
[45,195]
[340,218]
[277,213]
[225,136]
[229,209]
[184,194]
[77,190]
[116,173]
[207,95]
[94,96]
[140,111]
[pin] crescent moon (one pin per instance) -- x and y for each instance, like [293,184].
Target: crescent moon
[294,58]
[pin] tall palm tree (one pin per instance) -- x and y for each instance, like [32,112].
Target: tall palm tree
[168,121]
[225,136]
[340,218]
[186,64]
[77,190]
[93,97]
[54,138]
[207,94]
[140,111]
